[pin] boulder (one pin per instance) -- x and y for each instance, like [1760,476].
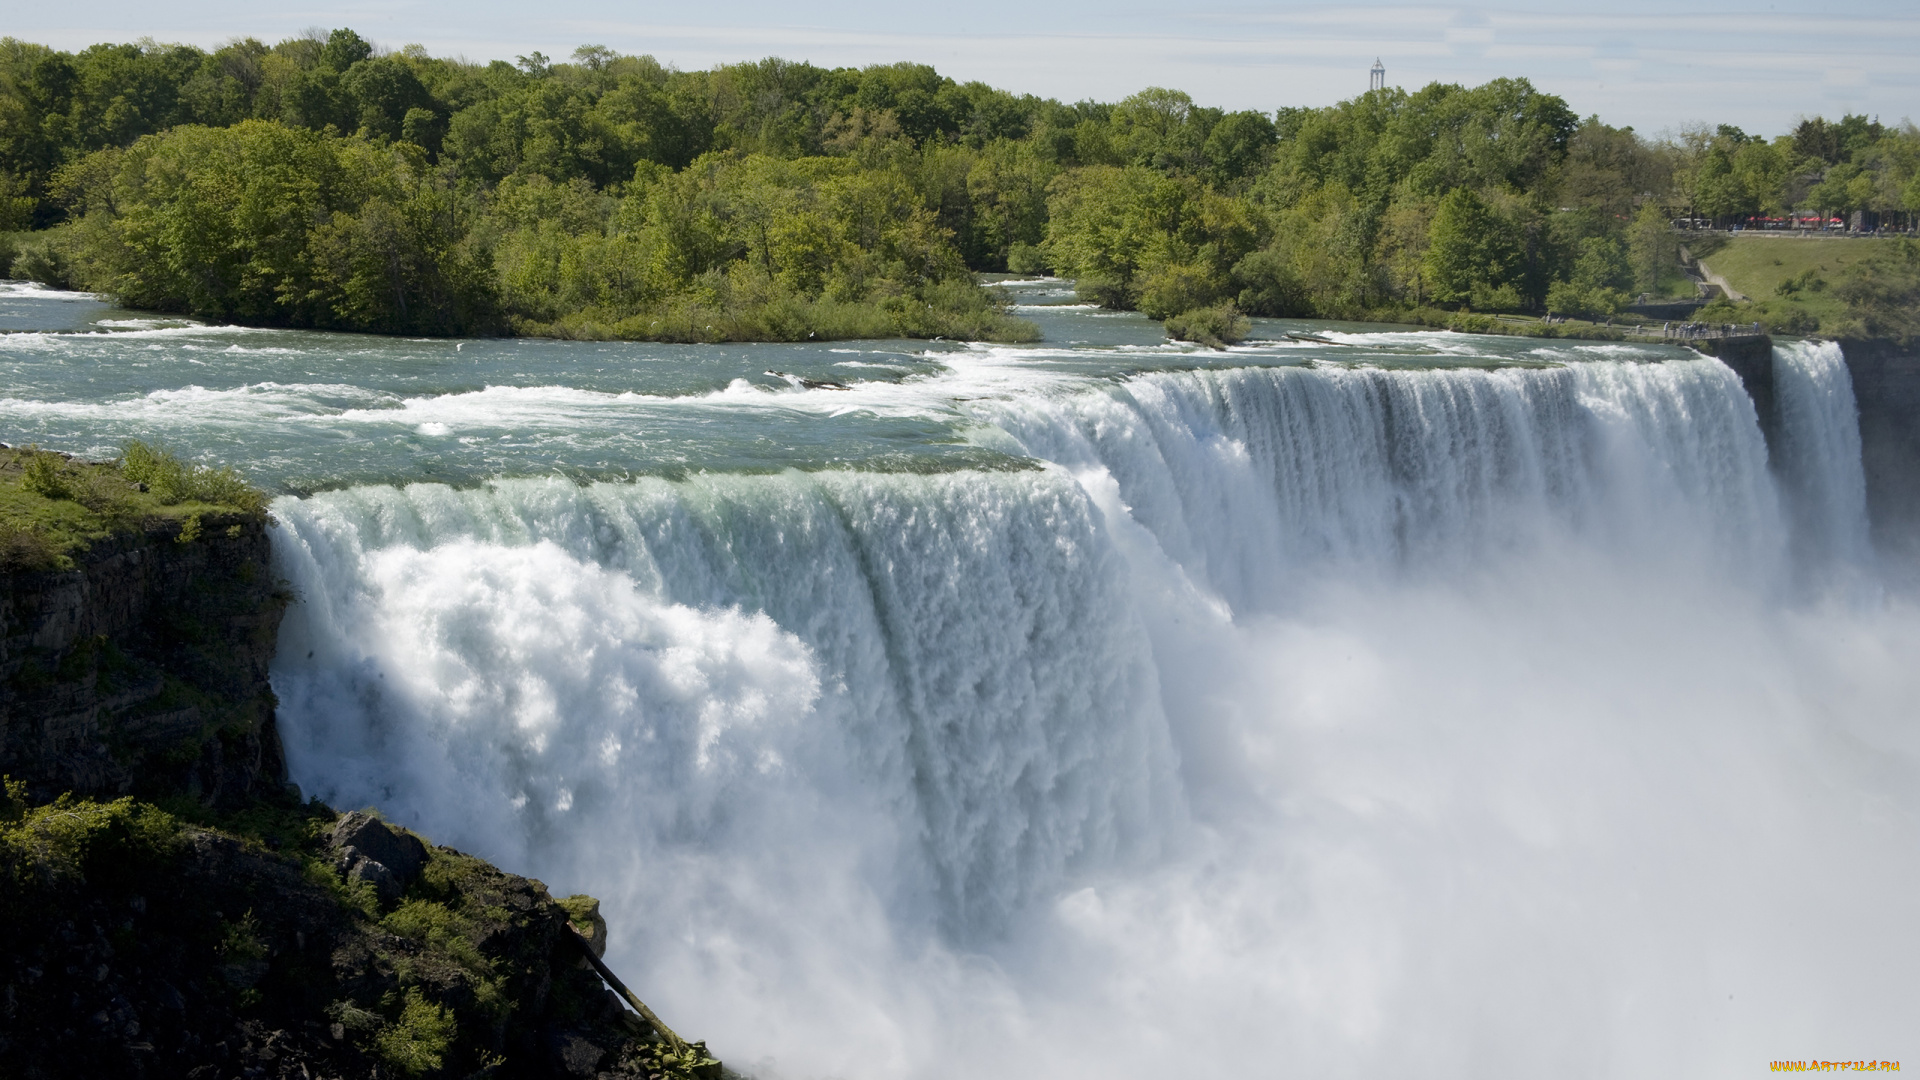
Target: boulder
[366,849]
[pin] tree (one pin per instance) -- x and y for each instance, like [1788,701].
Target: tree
[1652,249]
[1136,237]
[1882,293]
[1472,255]
[1238,146]
[264,223]
[1598,282]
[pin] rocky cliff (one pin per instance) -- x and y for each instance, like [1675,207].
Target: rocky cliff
[294,943]
[169,907]
[1886,383]
[143,668]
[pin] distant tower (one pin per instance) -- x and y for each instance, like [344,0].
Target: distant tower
[1377,80]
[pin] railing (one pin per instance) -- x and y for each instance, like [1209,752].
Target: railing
[1693,331]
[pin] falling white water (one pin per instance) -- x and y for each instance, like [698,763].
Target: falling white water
[1819,455]
[1258,480]
[1349,722]
[659,662]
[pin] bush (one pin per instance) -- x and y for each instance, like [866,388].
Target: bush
[1025,259]
[1781,318]
[173,481]
[1808,280]
[1486,297]
[75,841]
[42,476]
[1176,289]
[1214,327]
[44,259]
[1882,293]
[417,1042]
[1568,298]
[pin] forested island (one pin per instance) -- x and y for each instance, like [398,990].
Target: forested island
[324,183]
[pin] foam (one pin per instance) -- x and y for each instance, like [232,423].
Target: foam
[1452,722]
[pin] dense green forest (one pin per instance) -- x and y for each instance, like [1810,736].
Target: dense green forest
[321,182]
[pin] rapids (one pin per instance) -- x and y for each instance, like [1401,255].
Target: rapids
[1425,705]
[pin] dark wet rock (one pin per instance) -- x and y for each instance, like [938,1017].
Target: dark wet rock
[368,850]
[240,960]
[143,670]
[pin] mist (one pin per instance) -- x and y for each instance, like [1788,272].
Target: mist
[1349,721]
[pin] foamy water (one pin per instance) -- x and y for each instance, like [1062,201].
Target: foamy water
[1433,706]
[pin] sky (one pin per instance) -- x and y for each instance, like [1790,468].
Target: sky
[1657,66]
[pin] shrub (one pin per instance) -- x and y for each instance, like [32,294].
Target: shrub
[1882,293]
[417,1042]
[26,549]
[174,481]
[1785,318]
[1592,302]
[45,260]
[1023,258]
[79,840]
[1214,327]
[43,476]
[1807,280]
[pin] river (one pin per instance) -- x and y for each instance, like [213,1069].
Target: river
[1410,704]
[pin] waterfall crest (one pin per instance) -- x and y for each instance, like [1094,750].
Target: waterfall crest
[650,657]
[1266,707]
[1258,481]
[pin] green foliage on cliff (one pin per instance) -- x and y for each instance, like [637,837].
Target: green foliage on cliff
[53,505]
[186,927]
[71,841]
[1882,293]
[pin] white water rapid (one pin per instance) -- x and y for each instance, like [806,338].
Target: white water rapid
[1330,721]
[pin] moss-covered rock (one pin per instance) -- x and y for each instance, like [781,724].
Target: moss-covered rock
[136,628]
[176,941]
[168,905]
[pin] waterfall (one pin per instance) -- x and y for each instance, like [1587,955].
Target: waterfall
[1257,481]
[517,665]
[1366,718]
[1822,479]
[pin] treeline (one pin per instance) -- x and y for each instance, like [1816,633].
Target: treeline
[321,182]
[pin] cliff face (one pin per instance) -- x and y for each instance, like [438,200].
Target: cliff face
[143,670]
[140,945]
[1886,387]
[1886,383]
[1751,358]
[238,931]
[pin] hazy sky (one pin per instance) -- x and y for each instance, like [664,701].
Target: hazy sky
[1653,65]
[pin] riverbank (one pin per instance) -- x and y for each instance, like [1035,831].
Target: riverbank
[1629,327]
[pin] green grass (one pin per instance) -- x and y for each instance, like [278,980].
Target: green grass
[53,506]
[1675,285]
[1789,273]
